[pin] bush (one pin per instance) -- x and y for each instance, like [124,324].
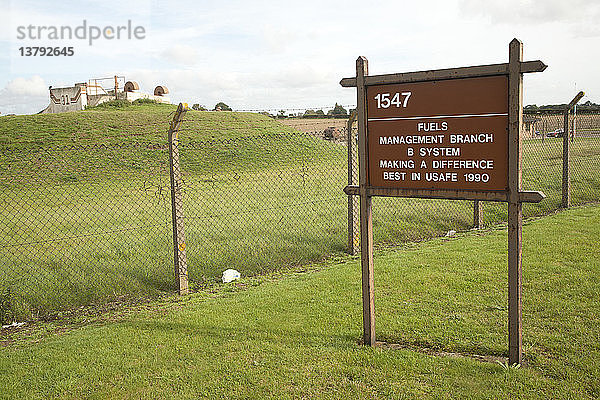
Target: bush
[113,104]
[220,106]
[144,101]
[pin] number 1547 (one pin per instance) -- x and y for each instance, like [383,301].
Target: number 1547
[385,100]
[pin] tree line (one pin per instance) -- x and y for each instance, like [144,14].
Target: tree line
[338,111]
[554,108]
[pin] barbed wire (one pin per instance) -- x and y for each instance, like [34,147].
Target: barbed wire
[277,109]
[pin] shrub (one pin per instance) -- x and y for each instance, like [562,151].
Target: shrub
[220,106]
[144,101]
[113,104]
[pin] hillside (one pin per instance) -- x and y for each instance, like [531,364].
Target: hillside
[146,123]
[86,194]
[137,137]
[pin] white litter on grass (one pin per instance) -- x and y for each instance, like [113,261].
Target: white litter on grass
[13,325]
[451,234]
[230,275]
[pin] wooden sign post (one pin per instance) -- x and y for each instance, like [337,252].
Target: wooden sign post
[445,134]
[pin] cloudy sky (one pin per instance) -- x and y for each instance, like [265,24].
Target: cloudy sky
[277,54]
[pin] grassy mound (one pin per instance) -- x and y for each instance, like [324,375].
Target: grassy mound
[87,208]
[117,122]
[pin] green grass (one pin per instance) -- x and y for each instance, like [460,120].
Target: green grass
[542,170]
[83,222]
[297,336]
[136,123]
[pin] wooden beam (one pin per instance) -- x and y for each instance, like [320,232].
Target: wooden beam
[531,196]
[532,66]
[524,196]
[515,210]
[449,73]
[366,218]
[429,193]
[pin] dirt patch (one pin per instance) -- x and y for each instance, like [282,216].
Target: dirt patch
[442,353]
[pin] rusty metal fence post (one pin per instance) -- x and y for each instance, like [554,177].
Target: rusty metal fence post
[477,214]
[180,259]
[566,179]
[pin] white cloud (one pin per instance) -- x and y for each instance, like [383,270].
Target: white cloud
[260,54]
[34,86]
[24,95]
[532,11]
[278,38]
[181,53]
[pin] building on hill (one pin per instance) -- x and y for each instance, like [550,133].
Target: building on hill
[98,91]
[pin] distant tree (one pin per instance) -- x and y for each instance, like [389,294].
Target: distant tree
[338,111]
[198,107]
[309,114]
[531,108]
[313,114]
[281,114]
[589,106]
[220,106]
[552,108]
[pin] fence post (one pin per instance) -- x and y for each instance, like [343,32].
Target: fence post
[353,228]
[366,214]
[574,124]
[180,259]
[477,215]
[566,180]
[515,209]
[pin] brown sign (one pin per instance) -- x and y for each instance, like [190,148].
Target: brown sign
[442,134]
[448,134]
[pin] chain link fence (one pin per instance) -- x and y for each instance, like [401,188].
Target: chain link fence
[543,163]
[88,224]
[82,224]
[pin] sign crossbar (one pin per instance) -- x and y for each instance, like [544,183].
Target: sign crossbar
[439,116]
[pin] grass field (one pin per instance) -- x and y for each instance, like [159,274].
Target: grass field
[296,335]
[315,125]
[83,222]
